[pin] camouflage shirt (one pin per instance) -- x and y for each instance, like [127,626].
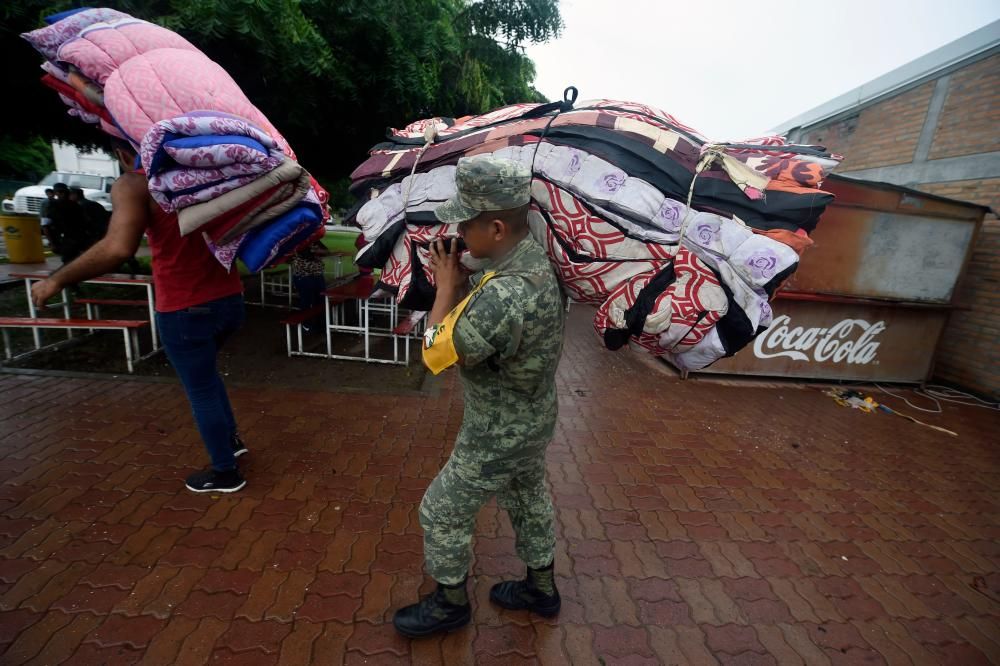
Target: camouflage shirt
[509,339]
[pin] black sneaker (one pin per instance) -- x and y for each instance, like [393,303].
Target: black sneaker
[211,481]
[239,448]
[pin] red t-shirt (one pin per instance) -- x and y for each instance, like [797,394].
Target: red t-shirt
[185,272]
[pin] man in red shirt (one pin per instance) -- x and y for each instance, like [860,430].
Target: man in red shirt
[198,305]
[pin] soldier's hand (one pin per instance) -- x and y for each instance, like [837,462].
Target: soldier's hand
[448,274]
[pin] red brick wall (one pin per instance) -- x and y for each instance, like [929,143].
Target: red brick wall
[970,120]
[886,134]
[969,352]
[879,135]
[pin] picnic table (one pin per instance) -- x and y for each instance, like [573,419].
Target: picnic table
[361,291]
[278,280]
[142,281]
[93,322]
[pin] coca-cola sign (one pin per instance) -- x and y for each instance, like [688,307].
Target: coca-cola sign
[848,341]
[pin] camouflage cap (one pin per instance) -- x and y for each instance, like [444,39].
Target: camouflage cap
[485,183]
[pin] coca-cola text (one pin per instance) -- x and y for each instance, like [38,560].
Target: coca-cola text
[840,343]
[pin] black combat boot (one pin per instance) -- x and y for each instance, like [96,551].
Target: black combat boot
[445,609]
[536,593]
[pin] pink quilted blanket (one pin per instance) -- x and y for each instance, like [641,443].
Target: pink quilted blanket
[49,39]
[102,48]
[206,148]
[167,83]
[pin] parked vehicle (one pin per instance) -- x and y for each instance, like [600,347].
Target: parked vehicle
[92,171]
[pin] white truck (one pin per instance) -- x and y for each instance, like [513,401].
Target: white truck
[91,171]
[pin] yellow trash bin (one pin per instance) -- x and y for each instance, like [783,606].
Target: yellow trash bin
[23,236]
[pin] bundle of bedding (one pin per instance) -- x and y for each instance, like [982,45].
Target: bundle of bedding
[210,155]
[679,242]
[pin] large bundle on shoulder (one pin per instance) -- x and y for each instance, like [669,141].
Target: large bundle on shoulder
[678,241]
[210,155]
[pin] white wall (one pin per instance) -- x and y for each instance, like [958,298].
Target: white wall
[70,158]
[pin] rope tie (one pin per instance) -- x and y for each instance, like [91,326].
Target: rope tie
[430,135]
[709,155]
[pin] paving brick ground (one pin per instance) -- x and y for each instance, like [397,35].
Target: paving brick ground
[698,523]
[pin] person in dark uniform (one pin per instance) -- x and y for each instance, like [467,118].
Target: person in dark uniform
[95,220]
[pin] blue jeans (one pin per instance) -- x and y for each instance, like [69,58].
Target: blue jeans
[192,339]
[310,289]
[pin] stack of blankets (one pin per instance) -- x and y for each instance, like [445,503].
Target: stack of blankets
[210,155]
[680,243]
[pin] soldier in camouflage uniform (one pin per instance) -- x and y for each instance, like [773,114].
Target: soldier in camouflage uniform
[507,341]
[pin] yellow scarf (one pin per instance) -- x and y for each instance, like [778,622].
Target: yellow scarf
[439,344]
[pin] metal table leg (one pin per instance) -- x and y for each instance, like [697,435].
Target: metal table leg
[329,342]
[128,349]
[35,333]
[152,316]
[363,304]
[67,314]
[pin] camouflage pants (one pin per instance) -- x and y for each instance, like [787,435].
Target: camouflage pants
[448,512]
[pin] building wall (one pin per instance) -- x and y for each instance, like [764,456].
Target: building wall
[970,119]
[880,135]
[942,137]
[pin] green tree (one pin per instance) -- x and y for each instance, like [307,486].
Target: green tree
[27,158]
[331,74]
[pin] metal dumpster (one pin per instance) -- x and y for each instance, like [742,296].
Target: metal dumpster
[882,241]
[872,296]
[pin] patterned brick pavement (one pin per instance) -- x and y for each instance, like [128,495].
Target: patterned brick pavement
[698,523]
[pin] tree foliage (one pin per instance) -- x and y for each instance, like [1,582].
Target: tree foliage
[28,157]
[331,74]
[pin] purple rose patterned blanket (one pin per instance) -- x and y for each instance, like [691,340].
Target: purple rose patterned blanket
[199,156]
[679,242]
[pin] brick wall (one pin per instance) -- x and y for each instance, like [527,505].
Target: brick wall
[879,135]
[969,352]
[887,134]
[970,120]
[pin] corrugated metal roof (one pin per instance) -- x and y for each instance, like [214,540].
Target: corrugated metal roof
[976,44]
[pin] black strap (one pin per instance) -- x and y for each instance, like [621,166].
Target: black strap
[565,104]
[635,316]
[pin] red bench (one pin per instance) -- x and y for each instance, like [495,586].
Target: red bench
[406,326]
[93,305]
[302,316]
[358,288]
[297,319]
[128,327]
[111,301]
